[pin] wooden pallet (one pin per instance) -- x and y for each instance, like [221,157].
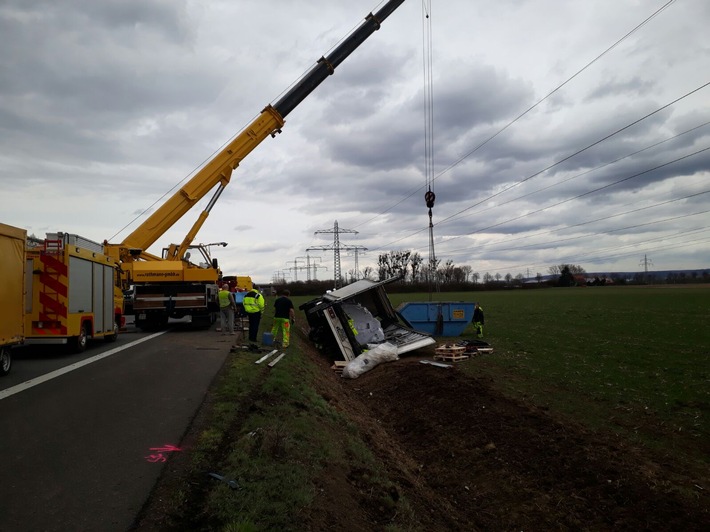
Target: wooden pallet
[450,353]
[338,366]
[451,358]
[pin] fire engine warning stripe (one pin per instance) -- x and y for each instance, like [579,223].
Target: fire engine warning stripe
[4,394]
[55,264]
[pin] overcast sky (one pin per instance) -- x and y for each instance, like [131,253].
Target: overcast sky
[107,106]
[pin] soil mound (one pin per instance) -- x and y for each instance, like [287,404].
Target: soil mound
[468,458]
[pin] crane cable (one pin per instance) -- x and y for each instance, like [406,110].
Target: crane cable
[429,196]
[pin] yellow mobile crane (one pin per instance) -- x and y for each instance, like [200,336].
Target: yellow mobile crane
[171,285]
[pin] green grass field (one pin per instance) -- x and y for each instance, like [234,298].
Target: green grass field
[627,358]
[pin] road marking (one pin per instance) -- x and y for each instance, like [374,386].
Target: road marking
[4,394]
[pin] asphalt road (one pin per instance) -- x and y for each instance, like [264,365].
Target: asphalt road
[82,451]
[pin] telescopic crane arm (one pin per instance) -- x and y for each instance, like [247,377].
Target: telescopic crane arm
[218,170]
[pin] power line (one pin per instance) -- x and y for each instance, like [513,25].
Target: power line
[589,171]
[606,232]
[474,150]
[572,226]
[567,158]
[593,191]
[559,162]
[521,115]
[596,258]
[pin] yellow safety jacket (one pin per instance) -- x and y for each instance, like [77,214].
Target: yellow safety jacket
[225,299]
[253,302]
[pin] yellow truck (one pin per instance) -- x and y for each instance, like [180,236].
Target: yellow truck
[12,292]
[73,292]
[238,283]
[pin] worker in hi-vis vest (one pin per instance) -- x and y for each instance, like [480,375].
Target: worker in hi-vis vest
[478,320]
[226,310]
[254,307]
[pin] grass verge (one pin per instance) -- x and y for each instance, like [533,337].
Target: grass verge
[270,431]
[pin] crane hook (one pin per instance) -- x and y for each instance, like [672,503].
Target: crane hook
[429,197]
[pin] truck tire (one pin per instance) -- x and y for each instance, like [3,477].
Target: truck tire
[114,335]
[80,342]
[5,361]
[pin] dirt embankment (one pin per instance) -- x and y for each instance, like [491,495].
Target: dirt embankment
[467,458]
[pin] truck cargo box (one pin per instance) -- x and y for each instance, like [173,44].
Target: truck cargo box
[12,289]
[346,321]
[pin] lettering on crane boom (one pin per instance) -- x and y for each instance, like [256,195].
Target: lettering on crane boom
[141,276]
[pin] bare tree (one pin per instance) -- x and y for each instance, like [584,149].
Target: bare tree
[574,269]
[384,268]
[393,264]
[457,275]
[447,271]
[415,264]
[368,272]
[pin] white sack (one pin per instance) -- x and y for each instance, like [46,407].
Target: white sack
[385,352]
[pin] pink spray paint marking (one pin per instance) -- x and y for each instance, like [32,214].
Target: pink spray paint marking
[160,456]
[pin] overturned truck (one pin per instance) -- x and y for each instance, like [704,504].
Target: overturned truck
[345,322]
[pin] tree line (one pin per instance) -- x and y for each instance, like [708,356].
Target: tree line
[415,274]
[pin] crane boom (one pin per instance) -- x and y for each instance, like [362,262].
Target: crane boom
[219,169]
[327,65]
[171,286]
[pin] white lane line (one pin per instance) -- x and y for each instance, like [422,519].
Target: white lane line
[4,394]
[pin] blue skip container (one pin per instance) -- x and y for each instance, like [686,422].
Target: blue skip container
[267,339]
[438,318]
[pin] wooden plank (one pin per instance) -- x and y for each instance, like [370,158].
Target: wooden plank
[276,360]
[272,353]
[451,358]
[437,364]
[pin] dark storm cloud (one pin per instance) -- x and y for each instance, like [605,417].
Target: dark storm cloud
[388,133]
[476,95]
[82,73]
[634,85]
[168,16]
